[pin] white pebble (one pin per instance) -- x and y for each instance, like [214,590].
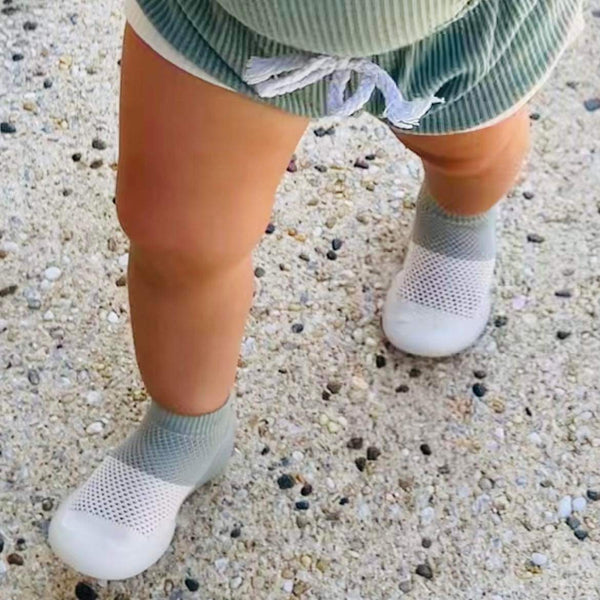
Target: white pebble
[565,507]
[535,438]
[52,273]
[333,427]
[235,583]
[539,559]
[579,504]
[288,586]
[93,397]
[427,515]
[221,564]
[113,317]
[297,455]
[123,260]
[94,428]
[48,315]
[359,383]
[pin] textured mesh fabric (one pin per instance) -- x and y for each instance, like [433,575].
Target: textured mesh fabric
[450,261]
[142,483]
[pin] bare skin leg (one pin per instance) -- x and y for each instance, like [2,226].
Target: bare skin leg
[467,173]
[198,169]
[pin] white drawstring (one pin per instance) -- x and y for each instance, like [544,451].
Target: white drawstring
[283,74]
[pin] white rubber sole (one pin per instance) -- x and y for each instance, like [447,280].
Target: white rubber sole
[99,548]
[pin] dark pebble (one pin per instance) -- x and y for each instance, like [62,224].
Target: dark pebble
[563,335]
[259,272]
[191,584]
[286,482]
[47,504]
[563,293]
[426,543]
[265,450]
[21,544]
[581,534]
[593,495]
[76,157]
[344,501]
[321,168]
[414,373]
[535,116]
[325,395]
[292,166]
[355,443]
[380,361]
[479,374]
[479,390]
[270,228]
[528,411]
[7,127]
[84,591]
[302,505]
[303,256]
[33,376]
[361,463]
[361,163]
[10,10]
[96,164]
[236,532]
[48,83]
[17,57]
[596,13]
[535,238]
[98,144]
[322,132]
[67,192]
[8,290]
[371,156]
[592,104]
[425,449]
[306,489]
[15,559]
[336,244]
[373,453]
[528,195]
[402,389]
[500,321]
[331,255]
[334,387]
[424,570]
[30,26]
[121,281]
[573,522]
[297,328]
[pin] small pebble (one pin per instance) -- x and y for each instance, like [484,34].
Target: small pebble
[98,144]
[479,390]
[286,482]
[191,584]
[236,532]
[84,591]
[535,116]
[321,168]
[7,127]
[373,453]
[361,163]
[539,559]
[292,166]
[414,373]
[15,559]
[402,389]
[270,228]
[592,104]
[535,238]
[302,505]
[479,374]
[334,387]
[297,328]
[563,335]
[76,157]
[30,26]
[306,489]
[47,504]
[563,293]
[579,504]
[8,290]
[581,534]
[355,443]
[565,507]
[379,361]
[344,501]
[48,83]
[17,56]
[500,321]
[425,449]
[573,522]
[33,377]
[259,272]
[331,255]
[528,195]
[336,244]
[405,586]
[361,463]
[95,428]
[593,495]
[424,570]
[96,164]
[52,273]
